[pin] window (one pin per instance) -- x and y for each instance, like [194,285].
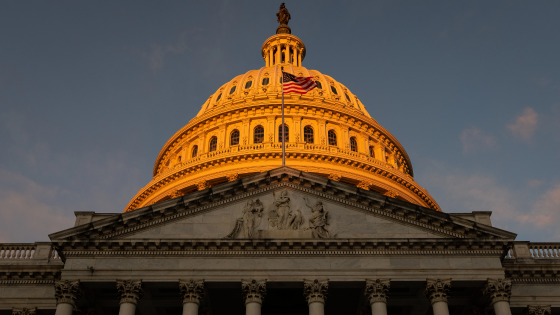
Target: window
[266,81]
[347,97]
[219,96]
[194,151]
[371,151]
[308,134]
[333,89]
[248,84]
[179,159]
[213,144]
[332,137]
[258,136]
[319,84]
[280,133]
[353,144]
[232,89]
[234,138]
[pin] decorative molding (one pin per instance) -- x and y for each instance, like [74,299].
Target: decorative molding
[497,290]
[377,290]
[232,177]
[535,280]
[253,290]
[364,185]
[192,291]
[130,291]
[538,310]
[202,185]
[24,311]
[67,291]
[26,282]
[437,290]
[315,290]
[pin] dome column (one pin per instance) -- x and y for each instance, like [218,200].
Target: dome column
[286,54]
[278,52]
[270,56]
[299,58]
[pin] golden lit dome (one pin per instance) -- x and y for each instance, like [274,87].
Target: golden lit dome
[237,133]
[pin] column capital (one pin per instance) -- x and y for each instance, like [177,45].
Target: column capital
[377,290]
[497,290]
[437,290]
[67,291]
[315,290]
[192,291]
[538,310]
[130,291]
[24,311]
[253,290]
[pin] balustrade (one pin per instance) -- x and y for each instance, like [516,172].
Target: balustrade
[535,251]
[17,251]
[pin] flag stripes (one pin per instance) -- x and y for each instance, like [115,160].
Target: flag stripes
[293,84]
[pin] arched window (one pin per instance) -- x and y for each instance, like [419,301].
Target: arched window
[319,85]
[213,144]
[232,89]
[280,133]
[333,89]
[332,137]
[234,138]
[266,81]
[347,97]
[258,135]
[371,151]
[248,84]
[353,144]
[179,158]
[219,96]
[308,134]
[194,151]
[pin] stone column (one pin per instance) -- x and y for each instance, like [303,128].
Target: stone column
[498,291]
[286,54]
[538,310]
[376,293]
[270,56]
[24,311]
[315,292]
[436,291]
[192,292]
[66,292]
[299,57]
[130,291]
[254,292]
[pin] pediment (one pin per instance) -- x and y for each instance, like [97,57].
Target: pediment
[282,204]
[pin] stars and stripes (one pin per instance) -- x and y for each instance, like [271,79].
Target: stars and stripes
[293,84]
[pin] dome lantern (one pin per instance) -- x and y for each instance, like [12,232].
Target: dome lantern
[283,48]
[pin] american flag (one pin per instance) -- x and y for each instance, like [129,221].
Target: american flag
[294,84]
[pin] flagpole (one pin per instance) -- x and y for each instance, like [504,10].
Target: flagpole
[283,131]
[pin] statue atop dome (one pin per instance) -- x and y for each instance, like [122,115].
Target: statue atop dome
[283,18]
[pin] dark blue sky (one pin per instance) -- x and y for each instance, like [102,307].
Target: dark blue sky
[90,92]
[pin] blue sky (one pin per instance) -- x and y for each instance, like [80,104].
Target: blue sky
[90,92]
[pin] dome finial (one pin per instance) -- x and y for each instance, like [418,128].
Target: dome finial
[283,18]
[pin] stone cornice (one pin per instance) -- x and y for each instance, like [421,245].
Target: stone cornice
[373,203]
[282,248]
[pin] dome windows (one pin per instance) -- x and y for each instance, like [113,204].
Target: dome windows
[372,151]
[248,84]
[232,89]
[265,81]
[308,134]
[258,134]
[353,144]
[194,151]
[333,89]
[347,97]
[234,138]
[332,137]
[219,96]
[319,85]
[287,130]
[213,144]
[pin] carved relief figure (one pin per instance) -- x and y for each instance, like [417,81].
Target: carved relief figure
[295,220]
[283,15]
[318,220]
[281,209]
[250,221]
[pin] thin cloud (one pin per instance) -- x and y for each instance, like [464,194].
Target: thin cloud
[545,212]
[474,139]
[525,125]
[159,52]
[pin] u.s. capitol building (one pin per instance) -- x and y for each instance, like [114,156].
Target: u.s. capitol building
[223,228]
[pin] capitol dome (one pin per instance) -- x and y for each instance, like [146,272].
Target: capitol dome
[237,133]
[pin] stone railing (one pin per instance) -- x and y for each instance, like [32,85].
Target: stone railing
[26,251]
[534,250]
